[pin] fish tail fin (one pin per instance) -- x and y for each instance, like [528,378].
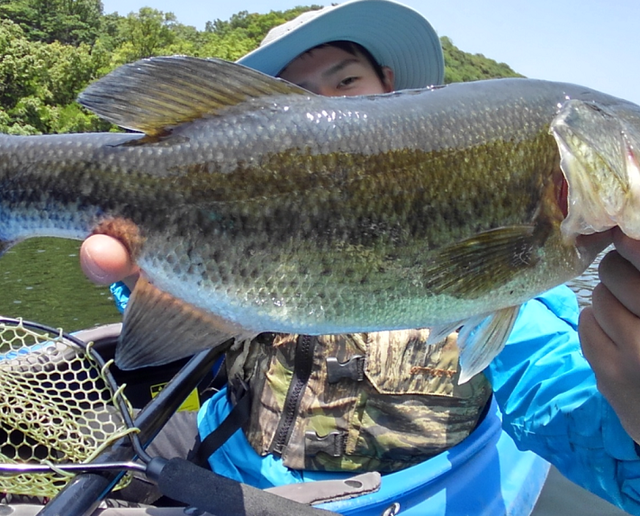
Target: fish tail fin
[482,338]
[158,329]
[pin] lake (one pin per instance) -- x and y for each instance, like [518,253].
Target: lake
[41,281]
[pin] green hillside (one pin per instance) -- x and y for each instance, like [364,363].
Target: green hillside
[51,49]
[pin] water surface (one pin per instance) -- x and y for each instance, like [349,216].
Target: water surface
[41,281]
[583,285]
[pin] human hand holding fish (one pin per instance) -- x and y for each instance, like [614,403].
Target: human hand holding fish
[610,331]
[252,205]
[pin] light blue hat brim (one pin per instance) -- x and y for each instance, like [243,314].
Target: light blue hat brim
[396,35]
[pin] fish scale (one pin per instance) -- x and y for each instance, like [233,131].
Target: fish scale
[252,205]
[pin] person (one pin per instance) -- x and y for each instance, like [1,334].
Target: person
[546,389]
[443,413]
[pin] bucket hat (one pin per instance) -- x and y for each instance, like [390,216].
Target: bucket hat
[396,35]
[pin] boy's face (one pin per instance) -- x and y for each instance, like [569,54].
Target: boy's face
[333,72]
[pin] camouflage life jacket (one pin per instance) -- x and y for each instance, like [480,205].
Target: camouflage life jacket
[358,402]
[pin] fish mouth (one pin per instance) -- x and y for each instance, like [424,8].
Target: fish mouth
[598,155]
[589,245]
[561,187]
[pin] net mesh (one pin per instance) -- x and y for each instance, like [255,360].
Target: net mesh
[55,406]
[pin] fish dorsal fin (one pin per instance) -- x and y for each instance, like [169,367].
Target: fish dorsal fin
[154,94]
[158,328]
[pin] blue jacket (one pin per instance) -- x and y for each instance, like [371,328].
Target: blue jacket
[547,393]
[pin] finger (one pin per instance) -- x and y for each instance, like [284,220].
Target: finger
[614,379]
[105,260]
[618,323]
[622,279]
[599,350]
[598,241]
[627,247]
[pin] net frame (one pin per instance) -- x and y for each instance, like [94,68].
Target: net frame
[59,404]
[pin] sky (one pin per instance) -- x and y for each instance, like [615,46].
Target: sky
[593,43]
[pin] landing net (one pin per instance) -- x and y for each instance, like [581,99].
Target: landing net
[58,404]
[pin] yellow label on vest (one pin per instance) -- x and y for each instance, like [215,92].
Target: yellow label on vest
[191,403]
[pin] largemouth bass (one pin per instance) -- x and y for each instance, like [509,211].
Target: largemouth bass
[252,205]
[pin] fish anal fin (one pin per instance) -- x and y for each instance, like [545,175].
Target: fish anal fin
[475,266]
[158,329]
[5,245]
[482,338]
[155,94]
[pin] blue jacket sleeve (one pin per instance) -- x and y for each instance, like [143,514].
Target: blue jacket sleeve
[121,294]
[547,393]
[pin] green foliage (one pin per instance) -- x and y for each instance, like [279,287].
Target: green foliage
[67,21]
[242,33]
[38,81]
[255,26]
[50,50]
[144,34]
[463,67]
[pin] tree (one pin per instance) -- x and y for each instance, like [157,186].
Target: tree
[39,82]
[50,50]
[253,25]
[70,22]
[462,67]
[145,34]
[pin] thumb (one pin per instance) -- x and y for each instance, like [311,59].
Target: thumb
[105,260]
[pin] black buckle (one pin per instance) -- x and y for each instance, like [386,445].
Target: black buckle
[332,443]
[352,369]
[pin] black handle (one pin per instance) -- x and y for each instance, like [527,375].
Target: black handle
[183,481]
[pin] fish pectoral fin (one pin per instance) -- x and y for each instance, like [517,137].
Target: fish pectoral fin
[152,95]
[475,266]
[482,338]
[159,328]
